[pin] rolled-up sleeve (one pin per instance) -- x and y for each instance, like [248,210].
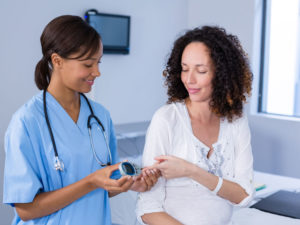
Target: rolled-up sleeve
[243,171]
[157,143]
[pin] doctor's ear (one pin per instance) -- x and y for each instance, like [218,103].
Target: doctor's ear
[56,60]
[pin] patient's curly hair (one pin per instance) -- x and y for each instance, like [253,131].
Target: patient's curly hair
[232,80]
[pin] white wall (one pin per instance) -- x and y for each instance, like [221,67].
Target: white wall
[275,141]
[235,16]
[130,86]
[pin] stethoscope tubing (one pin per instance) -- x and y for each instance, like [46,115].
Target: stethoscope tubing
[58,164]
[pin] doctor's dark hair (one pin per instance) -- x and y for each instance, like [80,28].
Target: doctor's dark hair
[232,76]
[64,35]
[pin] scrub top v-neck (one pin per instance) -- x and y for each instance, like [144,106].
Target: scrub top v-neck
[29,166]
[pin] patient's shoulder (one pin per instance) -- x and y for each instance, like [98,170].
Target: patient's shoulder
[166,112]
[169,113]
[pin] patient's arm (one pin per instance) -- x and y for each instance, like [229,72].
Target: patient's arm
[174,167]
[159,218]
[229,190]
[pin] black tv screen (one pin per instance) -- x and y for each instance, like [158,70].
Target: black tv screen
[114,30]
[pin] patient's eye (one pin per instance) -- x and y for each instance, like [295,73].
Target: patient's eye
[88,65]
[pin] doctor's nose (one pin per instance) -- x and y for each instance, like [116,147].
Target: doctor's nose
[96,72]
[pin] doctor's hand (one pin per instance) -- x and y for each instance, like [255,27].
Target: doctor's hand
[146,180]
[101,179]
[172,167]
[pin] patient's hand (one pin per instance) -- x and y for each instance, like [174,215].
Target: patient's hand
[172,167]
[146,180]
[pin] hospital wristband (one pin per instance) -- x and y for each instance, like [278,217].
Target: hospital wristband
[219,185]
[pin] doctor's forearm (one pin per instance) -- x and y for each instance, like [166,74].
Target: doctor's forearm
[49,202]
[229,190]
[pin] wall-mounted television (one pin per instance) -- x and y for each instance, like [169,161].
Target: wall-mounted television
[114,30]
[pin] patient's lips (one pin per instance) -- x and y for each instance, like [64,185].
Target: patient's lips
[193,90]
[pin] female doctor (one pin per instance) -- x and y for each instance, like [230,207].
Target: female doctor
[57,171]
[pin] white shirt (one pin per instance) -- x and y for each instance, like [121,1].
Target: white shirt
[170,133]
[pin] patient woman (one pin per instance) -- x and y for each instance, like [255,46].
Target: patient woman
[200,140]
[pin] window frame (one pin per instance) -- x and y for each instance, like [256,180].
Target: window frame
[262,57]
[260,65]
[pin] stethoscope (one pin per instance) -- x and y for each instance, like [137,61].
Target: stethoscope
[58,164]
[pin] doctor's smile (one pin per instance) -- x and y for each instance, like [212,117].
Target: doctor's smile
[90,82]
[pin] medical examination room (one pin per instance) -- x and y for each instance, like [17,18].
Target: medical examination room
[159,112]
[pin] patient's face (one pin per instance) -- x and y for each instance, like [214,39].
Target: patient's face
[197,71]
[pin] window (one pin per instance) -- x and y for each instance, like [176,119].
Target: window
[279,91]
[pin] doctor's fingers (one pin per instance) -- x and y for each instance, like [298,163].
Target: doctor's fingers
[108,184]
[124,185]
[105,172]
[148,179]
[113,168]
[156,172]
[152,175]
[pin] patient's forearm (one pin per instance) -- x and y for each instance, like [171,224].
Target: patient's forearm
[159,218]
[229,190]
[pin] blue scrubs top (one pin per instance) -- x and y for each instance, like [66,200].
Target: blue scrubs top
[29,163]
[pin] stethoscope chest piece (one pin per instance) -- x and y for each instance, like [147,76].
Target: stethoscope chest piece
[59,165]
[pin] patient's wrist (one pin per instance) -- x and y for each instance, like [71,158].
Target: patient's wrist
[192,171]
